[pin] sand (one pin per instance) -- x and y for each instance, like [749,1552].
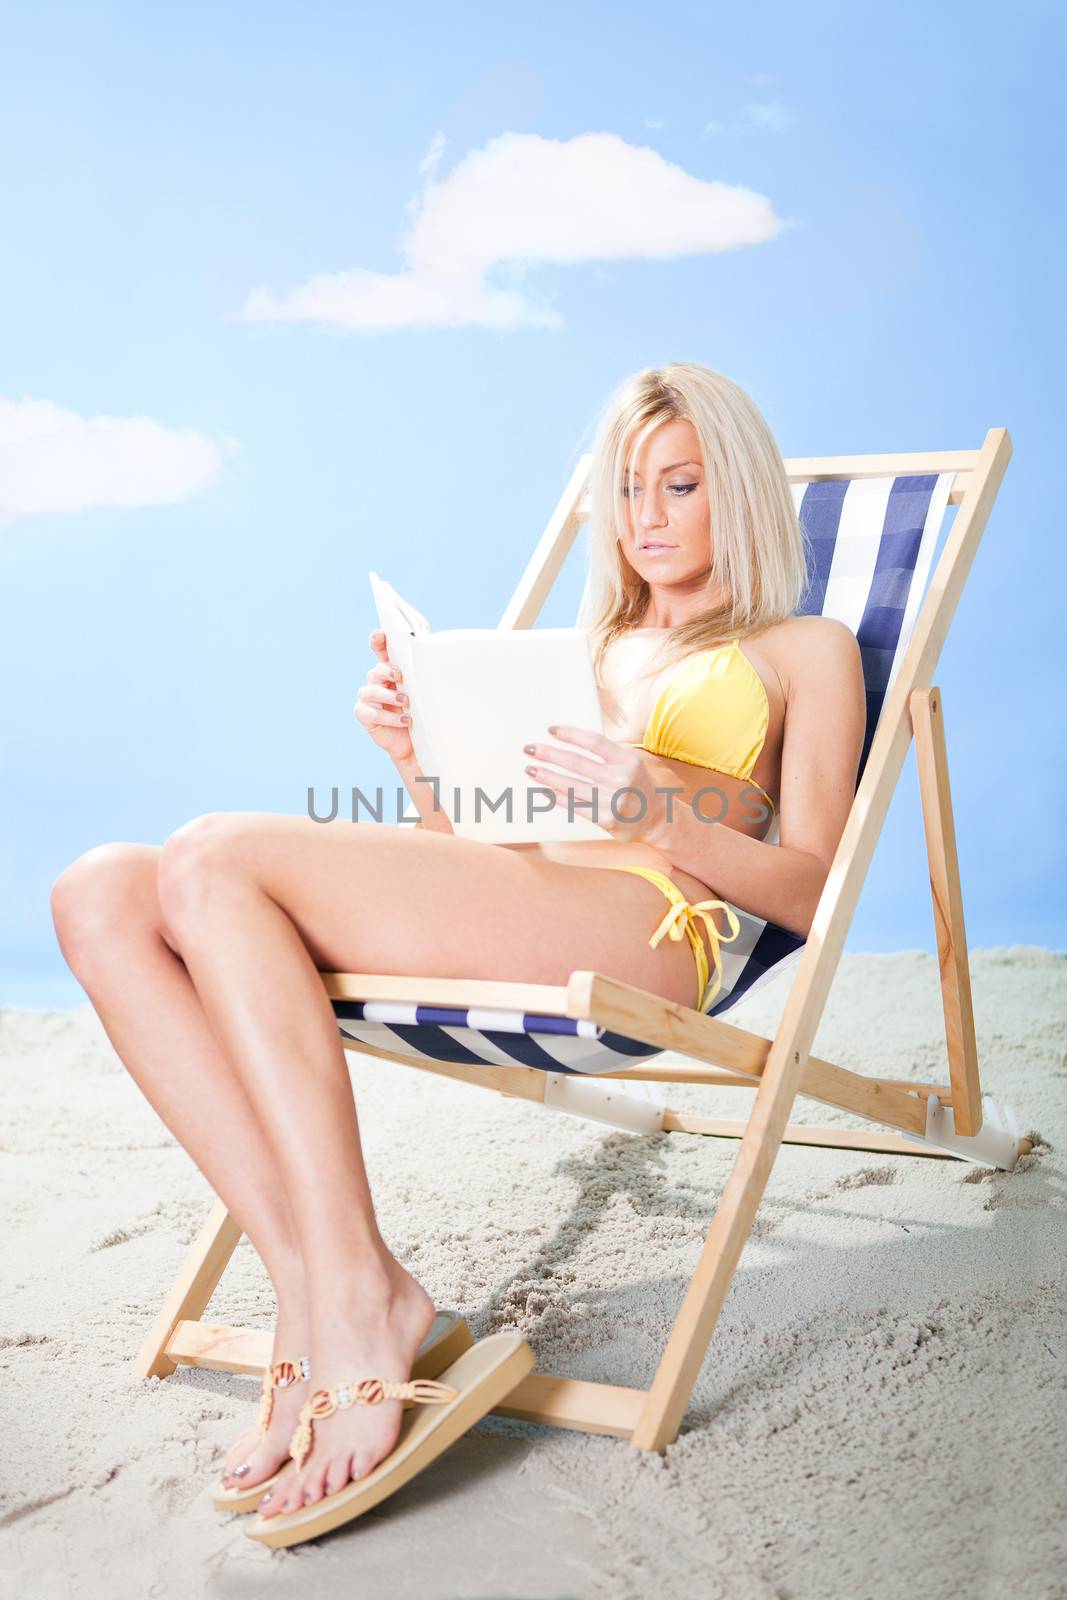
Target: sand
[882,1411]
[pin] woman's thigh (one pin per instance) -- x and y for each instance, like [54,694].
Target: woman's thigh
[369,898]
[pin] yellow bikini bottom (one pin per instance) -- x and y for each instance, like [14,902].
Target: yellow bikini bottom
[682,918]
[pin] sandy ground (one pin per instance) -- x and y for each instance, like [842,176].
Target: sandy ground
[882,1412]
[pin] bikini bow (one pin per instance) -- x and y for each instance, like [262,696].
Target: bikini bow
[679,920]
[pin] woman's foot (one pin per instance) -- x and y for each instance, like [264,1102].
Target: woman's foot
[260,1455]
[375,1335]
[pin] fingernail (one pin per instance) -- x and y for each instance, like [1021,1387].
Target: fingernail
[529,749]
[405,718]
[554,729]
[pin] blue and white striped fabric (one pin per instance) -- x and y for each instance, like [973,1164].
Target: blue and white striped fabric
[872,541]
[484,1034]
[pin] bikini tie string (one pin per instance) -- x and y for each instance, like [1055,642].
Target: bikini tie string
[679,922]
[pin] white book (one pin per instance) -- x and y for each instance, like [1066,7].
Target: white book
[476,696]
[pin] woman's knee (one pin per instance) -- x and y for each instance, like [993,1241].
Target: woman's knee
[195,863]
[101,893]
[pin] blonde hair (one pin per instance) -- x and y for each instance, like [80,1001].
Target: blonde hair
[758,550]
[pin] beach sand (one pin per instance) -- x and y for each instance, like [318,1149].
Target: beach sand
[882,1412]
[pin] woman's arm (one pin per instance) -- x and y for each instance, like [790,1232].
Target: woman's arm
[382,708]
[776,882]
[825,721]
[422,796]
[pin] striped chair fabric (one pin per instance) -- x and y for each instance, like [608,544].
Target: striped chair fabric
[871,543]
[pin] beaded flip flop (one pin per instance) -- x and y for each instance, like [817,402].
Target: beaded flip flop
[439,1413]
[448,1337]
[244,1497]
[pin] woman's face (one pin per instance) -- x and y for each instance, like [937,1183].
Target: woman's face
[668,540]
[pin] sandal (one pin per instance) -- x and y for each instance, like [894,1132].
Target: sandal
[468,1389]
[279,1376]
[448,1337]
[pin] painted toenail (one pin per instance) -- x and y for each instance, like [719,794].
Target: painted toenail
[239,1472]
[266,1497]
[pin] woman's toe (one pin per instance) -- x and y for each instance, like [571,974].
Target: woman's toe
[238,1456]
[282,1499]
[362,1462]
[314,1487]
[337,1474]
[248,1473]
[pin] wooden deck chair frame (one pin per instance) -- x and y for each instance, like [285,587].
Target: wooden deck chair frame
[720,1052]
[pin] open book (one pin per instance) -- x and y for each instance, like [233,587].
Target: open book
[477,695]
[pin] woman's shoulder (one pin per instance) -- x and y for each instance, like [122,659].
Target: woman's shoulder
[804,632]
[799,645]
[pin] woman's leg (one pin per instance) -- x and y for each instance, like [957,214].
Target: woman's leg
[110,928]
[259,906]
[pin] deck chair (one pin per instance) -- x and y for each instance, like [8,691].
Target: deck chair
[595,1047]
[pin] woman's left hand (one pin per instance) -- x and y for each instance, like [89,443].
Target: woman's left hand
[633,778]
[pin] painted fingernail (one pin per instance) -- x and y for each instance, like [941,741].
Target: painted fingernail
[529,749]
[555,729]
[532,771]
[405,718]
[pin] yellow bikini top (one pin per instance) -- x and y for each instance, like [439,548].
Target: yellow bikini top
[712,712]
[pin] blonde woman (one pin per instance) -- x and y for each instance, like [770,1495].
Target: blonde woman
[202,956]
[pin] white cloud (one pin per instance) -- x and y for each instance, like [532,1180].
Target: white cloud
[518,201]
[434,153]
[55,460]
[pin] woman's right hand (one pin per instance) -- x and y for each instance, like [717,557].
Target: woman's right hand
[382,706]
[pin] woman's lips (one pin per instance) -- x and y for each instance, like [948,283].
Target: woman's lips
[656,548]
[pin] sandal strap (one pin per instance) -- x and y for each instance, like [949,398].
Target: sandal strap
[367,1392]
[279,1376]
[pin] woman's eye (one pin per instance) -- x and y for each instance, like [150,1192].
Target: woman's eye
[682,488]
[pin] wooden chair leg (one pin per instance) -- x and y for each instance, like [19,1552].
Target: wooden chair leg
[191,1290]
[932,760]
[668,1397]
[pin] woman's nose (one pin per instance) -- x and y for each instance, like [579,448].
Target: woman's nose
[651,514]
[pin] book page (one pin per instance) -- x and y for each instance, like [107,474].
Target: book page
[482,694]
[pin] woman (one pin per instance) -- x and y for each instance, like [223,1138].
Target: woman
[202,956]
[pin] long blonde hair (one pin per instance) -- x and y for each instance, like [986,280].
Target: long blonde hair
[759,552]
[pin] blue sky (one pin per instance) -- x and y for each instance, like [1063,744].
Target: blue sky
[178,184]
